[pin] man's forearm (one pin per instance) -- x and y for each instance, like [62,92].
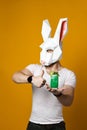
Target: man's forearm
[67,95]
[66,100]
[20,77]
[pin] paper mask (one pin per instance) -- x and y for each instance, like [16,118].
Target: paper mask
[54,43]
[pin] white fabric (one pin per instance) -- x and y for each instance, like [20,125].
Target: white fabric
[46,109]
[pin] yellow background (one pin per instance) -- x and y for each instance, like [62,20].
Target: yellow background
[20,37]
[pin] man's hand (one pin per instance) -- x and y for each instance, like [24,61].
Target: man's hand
[54,91]
[39,81]
[65,90]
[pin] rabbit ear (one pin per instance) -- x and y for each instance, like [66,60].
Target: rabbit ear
[61,29]
[46,30]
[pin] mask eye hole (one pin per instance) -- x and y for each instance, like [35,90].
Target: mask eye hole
[49,50]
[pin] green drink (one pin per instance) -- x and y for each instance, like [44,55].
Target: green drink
[54,81]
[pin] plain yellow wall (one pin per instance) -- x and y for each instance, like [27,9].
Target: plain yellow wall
[20,37]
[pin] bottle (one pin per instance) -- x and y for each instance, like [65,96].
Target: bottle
[54,80]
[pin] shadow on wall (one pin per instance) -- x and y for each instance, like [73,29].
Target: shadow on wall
[80,109]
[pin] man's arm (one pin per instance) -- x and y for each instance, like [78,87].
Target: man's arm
[21,76]
[67,94]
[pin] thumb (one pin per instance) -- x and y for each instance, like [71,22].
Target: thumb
[42,73]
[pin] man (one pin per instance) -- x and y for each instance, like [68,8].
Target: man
[47,102]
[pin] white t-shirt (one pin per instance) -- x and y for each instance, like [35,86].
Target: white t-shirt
[46,108]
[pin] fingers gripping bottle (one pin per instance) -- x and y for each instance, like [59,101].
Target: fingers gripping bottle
[54,80]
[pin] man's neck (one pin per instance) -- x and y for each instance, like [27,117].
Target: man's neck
[53,67]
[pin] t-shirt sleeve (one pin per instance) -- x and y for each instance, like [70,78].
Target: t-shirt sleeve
[71,79]
[31,68]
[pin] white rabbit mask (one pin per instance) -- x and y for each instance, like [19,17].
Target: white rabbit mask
[54,43]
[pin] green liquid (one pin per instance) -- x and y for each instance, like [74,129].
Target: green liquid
[54,81]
